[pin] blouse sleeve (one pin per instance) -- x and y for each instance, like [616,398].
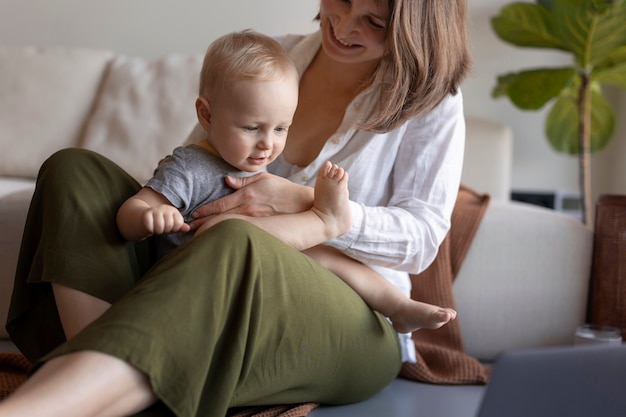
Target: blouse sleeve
[405,233]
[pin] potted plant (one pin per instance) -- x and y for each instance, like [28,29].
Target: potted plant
[581,120]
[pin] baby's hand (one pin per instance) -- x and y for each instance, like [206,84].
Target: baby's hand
[164,219]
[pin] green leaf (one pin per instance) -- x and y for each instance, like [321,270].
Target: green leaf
[532,89]
[602,121]
[526,24]
[591,32]
[615,75]
[562,123]
[561,126]
[548,4]
[617,56]
[602,5]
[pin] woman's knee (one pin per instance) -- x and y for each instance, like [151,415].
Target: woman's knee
[84,176]
[66,160]
[71,166]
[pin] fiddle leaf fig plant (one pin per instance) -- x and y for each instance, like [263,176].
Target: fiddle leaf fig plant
[580,120]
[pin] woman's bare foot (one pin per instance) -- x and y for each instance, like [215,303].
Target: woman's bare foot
[414,315]
[331,199]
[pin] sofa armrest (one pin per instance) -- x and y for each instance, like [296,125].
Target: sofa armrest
[524,282]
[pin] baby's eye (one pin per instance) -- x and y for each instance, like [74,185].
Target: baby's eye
[251,128]
[281,129]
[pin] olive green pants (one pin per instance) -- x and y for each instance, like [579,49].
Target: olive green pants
[232,318]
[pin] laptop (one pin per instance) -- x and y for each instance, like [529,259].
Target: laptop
[572,381]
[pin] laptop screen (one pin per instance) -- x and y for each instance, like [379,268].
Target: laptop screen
[573,381]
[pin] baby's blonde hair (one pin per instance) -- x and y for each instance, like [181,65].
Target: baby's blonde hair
[245,55]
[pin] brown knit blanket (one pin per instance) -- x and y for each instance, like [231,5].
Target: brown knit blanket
[13,372]
[440,353]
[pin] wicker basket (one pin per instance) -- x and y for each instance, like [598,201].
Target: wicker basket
[607,297]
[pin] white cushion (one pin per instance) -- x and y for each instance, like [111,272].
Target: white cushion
[524,281]
[145,109]
[45,96]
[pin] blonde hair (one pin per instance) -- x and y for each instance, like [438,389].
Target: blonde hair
[427,57]
[245,55]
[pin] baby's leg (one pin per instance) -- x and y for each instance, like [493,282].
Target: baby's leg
[331,199]
[405,313]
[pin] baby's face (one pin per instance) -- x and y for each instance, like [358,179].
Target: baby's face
[250,121]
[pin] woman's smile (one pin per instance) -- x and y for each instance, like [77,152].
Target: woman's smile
[355,32]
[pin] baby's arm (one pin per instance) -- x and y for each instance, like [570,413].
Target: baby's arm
[149,213]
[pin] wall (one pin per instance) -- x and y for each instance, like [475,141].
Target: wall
[147,28]
[153,27]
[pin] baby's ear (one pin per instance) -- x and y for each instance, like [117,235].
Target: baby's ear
[203,111]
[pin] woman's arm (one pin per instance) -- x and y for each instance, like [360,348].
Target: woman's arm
[299,230]
[259,195]
[329,217]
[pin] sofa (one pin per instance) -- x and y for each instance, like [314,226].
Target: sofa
[523,283]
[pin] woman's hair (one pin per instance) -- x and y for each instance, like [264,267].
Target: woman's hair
[427,57]
[245,55]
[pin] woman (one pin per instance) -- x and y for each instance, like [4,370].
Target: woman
[235,317]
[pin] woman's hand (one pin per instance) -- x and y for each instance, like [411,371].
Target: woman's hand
[260,195]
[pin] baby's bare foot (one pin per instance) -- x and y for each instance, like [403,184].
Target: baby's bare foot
[331,199]
[417,315]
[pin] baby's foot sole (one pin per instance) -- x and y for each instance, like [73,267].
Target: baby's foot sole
[433,320]
[331,199]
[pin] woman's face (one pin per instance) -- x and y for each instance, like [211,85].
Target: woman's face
[354,31]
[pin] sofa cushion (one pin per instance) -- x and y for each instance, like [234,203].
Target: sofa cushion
[145,109]
[45,97]
[525,280]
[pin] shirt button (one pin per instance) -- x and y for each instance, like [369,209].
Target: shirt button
[305,178]
[335,141]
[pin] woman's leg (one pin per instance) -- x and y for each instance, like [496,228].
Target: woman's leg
[71,241]
[236,318]
[76,309]
[81,384]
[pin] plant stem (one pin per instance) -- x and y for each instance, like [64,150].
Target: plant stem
[584,140]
